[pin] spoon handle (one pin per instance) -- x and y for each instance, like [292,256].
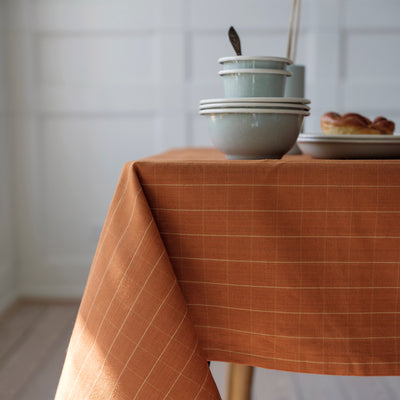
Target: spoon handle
[235,40]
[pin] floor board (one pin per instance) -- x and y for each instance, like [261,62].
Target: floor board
[15,323]
[43,383]
[35,336]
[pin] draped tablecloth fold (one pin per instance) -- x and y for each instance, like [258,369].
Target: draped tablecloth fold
[133,338]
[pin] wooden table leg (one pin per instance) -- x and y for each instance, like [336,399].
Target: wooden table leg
[239,381]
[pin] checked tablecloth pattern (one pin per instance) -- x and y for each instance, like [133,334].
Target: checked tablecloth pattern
[290,264]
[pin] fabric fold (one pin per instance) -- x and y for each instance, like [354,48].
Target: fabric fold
[133,338]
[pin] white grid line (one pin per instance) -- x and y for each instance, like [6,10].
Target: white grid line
[324,271]
[282,262]
[373,267]
[292,287]
[252,256]
[162,353]
[135,373]
[140,340]
[129,339]
[279,236]
[348,257]
[294,337]
[182,369]
[109,263]
[201,387]
[106,312]
[294,312]
[275,270]
[300,300]
[124,321]
[98,252]
[311,211]
[396,346]
[227,269]
[341,186]
[203,247]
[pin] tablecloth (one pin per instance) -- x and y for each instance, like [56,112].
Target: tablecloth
[290,264]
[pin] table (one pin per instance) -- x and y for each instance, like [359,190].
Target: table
[290,264]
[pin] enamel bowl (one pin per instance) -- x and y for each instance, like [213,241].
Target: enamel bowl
[291,100]
[254,133]
[254,82]
[239,62]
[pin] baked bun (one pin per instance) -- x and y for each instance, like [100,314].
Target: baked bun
[355,124]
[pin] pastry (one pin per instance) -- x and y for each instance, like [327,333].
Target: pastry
[355,124]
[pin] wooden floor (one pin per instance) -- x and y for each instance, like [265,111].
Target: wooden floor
[33,341]
[34,338]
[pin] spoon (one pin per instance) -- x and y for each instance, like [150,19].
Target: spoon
[235,40]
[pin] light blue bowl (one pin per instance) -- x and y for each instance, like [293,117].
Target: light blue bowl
[251,134]
[254,82]
[239,62]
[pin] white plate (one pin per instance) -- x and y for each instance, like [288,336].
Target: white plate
[350,146]
[319,137]
[258,105]
[252,111]
[257,100]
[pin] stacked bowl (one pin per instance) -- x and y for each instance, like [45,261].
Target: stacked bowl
[254,120]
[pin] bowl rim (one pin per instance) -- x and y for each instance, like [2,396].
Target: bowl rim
[290,100]
[254,71]
[252,111]
[254,105]
[254,58]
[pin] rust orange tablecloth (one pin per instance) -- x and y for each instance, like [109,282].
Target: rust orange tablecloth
[289,264]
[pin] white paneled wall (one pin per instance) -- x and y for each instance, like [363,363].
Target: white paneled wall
[95,83]
[370,41]
[7,270]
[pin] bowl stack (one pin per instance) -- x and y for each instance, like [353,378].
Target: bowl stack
[254,120]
